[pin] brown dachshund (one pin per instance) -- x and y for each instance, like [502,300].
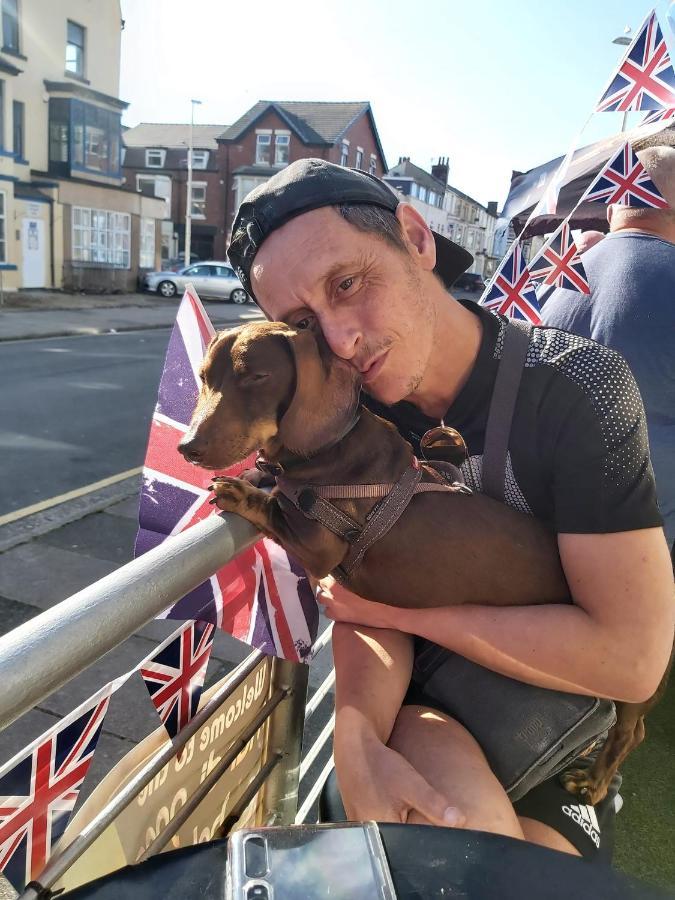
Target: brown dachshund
[268,387]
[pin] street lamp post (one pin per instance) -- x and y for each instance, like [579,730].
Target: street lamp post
[188,202]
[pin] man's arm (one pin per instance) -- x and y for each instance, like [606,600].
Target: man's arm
[615,641]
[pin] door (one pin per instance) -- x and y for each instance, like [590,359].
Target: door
[33,247]
[200,276]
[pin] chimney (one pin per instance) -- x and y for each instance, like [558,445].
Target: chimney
[492,207]
[441,169]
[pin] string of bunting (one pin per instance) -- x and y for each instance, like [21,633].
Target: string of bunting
[643,80]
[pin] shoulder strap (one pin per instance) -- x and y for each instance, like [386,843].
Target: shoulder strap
[502,405]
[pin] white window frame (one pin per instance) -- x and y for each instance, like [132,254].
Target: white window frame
[3,226]
[358,163]
[372,166]
[423,193]
[200,159]
[263,139]
[101,236]
[157,180]
[154,165]
[414,190]
[344,153]
[282,139]
[199,203]
[146,244]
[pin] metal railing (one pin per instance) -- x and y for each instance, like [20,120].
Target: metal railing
[45,653]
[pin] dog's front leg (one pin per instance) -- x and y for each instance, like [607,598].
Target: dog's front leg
[251,503]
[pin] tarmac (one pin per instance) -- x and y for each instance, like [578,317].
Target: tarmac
[44,314]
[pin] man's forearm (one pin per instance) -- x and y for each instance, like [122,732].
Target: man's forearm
[372,668]
[556,647]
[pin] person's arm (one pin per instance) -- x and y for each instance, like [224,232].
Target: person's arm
[615,641]
[373,668]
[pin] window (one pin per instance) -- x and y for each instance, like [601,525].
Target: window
[83,137]
[2,115]
[18,118]
[222,271]
[101,236]
[431,198]
[359,158]
[154,159]
[198,206]
[158,186]
[75,49]
[414,191]
[146,257]
[200,159]
[10,25]
[96,149]
[423,194]
[263,142]
[372,166]
[281,145]
[3,232]
[344,153]
[194,271]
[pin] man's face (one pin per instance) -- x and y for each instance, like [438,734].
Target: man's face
[365,295]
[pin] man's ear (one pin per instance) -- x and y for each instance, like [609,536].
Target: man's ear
[417,235]
[306,425]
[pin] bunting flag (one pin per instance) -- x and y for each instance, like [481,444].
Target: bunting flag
[624,181]
[511,293]
[174,674]
[40,785]
[645,78]
[659,115]
[262,597]
[558,262]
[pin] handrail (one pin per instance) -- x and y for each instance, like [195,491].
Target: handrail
[42,655]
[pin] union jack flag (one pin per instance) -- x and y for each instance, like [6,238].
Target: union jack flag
[659,115]
[645,78]
[624,181]
[511,293]
[40,785]
[558,262]
[262,596]
[174,674]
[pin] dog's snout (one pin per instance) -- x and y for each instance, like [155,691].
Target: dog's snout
[192,448]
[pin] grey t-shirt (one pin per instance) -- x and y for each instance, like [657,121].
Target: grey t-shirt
[632,310]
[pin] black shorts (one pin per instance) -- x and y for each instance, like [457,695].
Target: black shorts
[590,829]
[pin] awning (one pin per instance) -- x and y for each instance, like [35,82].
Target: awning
[528,187]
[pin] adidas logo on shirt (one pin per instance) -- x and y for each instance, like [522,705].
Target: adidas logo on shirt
[586,818]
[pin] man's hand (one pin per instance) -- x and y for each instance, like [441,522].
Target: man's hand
[341,605]
[378,783]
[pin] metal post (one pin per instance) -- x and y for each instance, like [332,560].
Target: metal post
[188,205]
[40,656]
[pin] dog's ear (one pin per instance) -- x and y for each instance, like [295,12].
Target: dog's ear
[306,425]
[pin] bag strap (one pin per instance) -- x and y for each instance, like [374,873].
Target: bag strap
[509,372]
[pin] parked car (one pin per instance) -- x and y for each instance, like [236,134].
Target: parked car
[211,279]
[178,263]
[470,281]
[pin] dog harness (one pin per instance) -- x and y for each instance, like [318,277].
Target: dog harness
[314,501]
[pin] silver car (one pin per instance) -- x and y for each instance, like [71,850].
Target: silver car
[211,279]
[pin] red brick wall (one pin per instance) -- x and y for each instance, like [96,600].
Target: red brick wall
[359,135]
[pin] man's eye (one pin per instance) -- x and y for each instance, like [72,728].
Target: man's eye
[346,284]
[304,323]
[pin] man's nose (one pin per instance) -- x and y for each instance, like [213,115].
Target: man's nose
[343,338]
[192,447]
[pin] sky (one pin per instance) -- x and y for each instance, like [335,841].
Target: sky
[495,85]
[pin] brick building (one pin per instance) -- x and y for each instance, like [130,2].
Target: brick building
[272,134]
[155,163]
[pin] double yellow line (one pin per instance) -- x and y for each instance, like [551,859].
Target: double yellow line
[70,495]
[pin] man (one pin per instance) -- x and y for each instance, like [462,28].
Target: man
[631,309]
[328,248]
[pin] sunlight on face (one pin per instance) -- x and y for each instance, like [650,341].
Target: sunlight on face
[364,294]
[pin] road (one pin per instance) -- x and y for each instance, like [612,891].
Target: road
[74,410]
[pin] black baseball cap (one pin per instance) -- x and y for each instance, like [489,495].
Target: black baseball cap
[308,184]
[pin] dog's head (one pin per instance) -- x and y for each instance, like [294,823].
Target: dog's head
[267,386]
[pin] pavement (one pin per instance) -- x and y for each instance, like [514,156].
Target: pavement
[42,314]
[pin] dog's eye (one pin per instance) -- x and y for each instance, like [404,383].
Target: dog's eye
[254,378]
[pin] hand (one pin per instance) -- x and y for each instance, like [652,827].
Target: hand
[341,605]
[377,783]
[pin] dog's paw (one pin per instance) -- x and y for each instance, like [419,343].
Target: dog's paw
[580,783]
[230,494]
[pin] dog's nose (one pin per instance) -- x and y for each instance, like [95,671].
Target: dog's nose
[191,448]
